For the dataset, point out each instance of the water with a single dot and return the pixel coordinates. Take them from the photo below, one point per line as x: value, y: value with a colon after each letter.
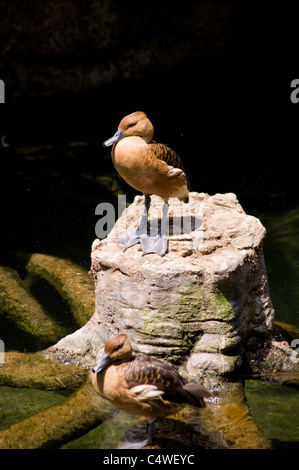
x: 17, y: 404
x: 105, y: 436
x: 282, y: 260
x: 275, y: 410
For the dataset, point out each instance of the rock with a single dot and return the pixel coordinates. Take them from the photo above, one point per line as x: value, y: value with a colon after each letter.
x: 69, y: 279
x: 18, y: 307
x: 33, y: 370
x: 201, y: 306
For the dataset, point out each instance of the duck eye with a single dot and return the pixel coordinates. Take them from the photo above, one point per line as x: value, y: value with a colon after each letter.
x: 132, y: 124
x: 117, y: 348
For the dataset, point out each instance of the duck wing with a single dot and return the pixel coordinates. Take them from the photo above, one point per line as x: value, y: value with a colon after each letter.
x: 149, y: 377
x: 169, y: 156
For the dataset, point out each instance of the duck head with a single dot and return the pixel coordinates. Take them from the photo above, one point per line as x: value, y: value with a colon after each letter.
x: 135, y: 124
x: 118, y: 349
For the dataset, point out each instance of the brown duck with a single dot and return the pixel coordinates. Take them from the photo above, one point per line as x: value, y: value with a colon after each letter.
x: 142, y: 385
x: 151, y: 168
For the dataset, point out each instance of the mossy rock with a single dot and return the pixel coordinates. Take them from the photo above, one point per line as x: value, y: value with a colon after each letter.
x: 18, y: 307
x: 33, y: 370
x: 70, y: 280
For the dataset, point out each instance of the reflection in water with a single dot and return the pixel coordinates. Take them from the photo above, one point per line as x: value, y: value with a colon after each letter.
x: 17, y: 404
x: 282, y: 259
x: 105, y: 436
x: 279, y: 420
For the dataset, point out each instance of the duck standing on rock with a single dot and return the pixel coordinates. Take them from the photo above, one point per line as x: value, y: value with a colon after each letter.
x: 142, y: 385
x: 151, y: 168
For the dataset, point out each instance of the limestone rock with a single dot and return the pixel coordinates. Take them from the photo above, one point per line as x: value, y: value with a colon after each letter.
x: 200, y: 306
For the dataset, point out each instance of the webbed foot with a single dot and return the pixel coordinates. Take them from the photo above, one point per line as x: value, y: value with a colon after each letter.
x: 130, y: 239
x: 157, y: 244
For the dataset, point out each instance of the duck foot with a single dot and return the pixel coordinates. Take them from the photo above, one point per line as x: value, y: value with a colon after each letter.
x: 130, y: 239
x: 140, y: 444
x: 157, y: 244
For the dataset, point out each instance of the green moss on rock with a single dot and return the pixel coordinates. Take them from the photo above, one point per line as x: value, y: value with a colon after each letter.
x: 70, y: 280
x: 197, y: 304
x: 20, y: 308
x: 59, y: 424
x: 33, y: 370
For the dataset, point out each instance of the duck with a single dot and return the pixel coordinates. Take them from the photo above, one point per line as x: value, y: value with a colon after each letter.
x: 142, y: 385
x: 151, y: 168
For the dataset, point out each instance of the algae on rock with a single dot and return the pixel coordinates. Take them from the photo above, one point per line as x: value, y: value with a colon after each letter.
x: 51, y: 428
x: 34, y: 370
x: 21, y: 309
x: 70, y: 280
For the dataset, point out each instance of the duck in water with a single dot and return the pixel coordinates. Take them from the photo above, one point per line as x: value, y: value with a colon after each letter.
x: 142, y: 385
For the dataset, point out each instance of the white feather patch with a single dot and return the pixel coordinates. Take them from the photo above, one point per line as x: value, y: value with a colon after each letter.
x: 145, y: 392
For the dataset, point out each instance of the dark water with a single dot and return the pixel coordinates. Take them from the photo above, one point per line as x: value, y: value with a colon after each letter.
x: 282, y: 260
x: 274, y: 408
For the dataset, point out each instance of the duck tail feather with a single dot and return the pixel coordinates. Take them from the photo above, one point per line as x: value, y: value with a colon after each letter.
x: 197, y: 390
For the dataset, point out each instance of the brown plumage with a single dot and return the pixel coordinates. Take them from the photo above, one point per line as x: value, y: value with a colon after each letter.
x: 169, y: 156
x: 142, y: 385
x: 149, y: 167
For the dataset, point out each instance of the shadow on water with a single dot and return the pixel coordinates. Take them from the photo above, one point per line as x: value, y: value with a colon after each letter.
x: 278, y: 421
x: 282, y: 259
x: 17, y: 404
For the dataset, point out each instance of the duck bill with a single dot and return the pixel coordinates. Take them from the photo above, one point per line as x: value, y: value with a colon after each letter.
x: 104, y: 362
x: 117, y: 136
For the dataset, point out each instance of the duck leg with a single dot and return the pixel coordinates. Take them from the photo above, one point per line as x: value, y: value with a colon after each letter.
x: 145, y: 442
x: 157, y: 243
x: 134, y: 237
